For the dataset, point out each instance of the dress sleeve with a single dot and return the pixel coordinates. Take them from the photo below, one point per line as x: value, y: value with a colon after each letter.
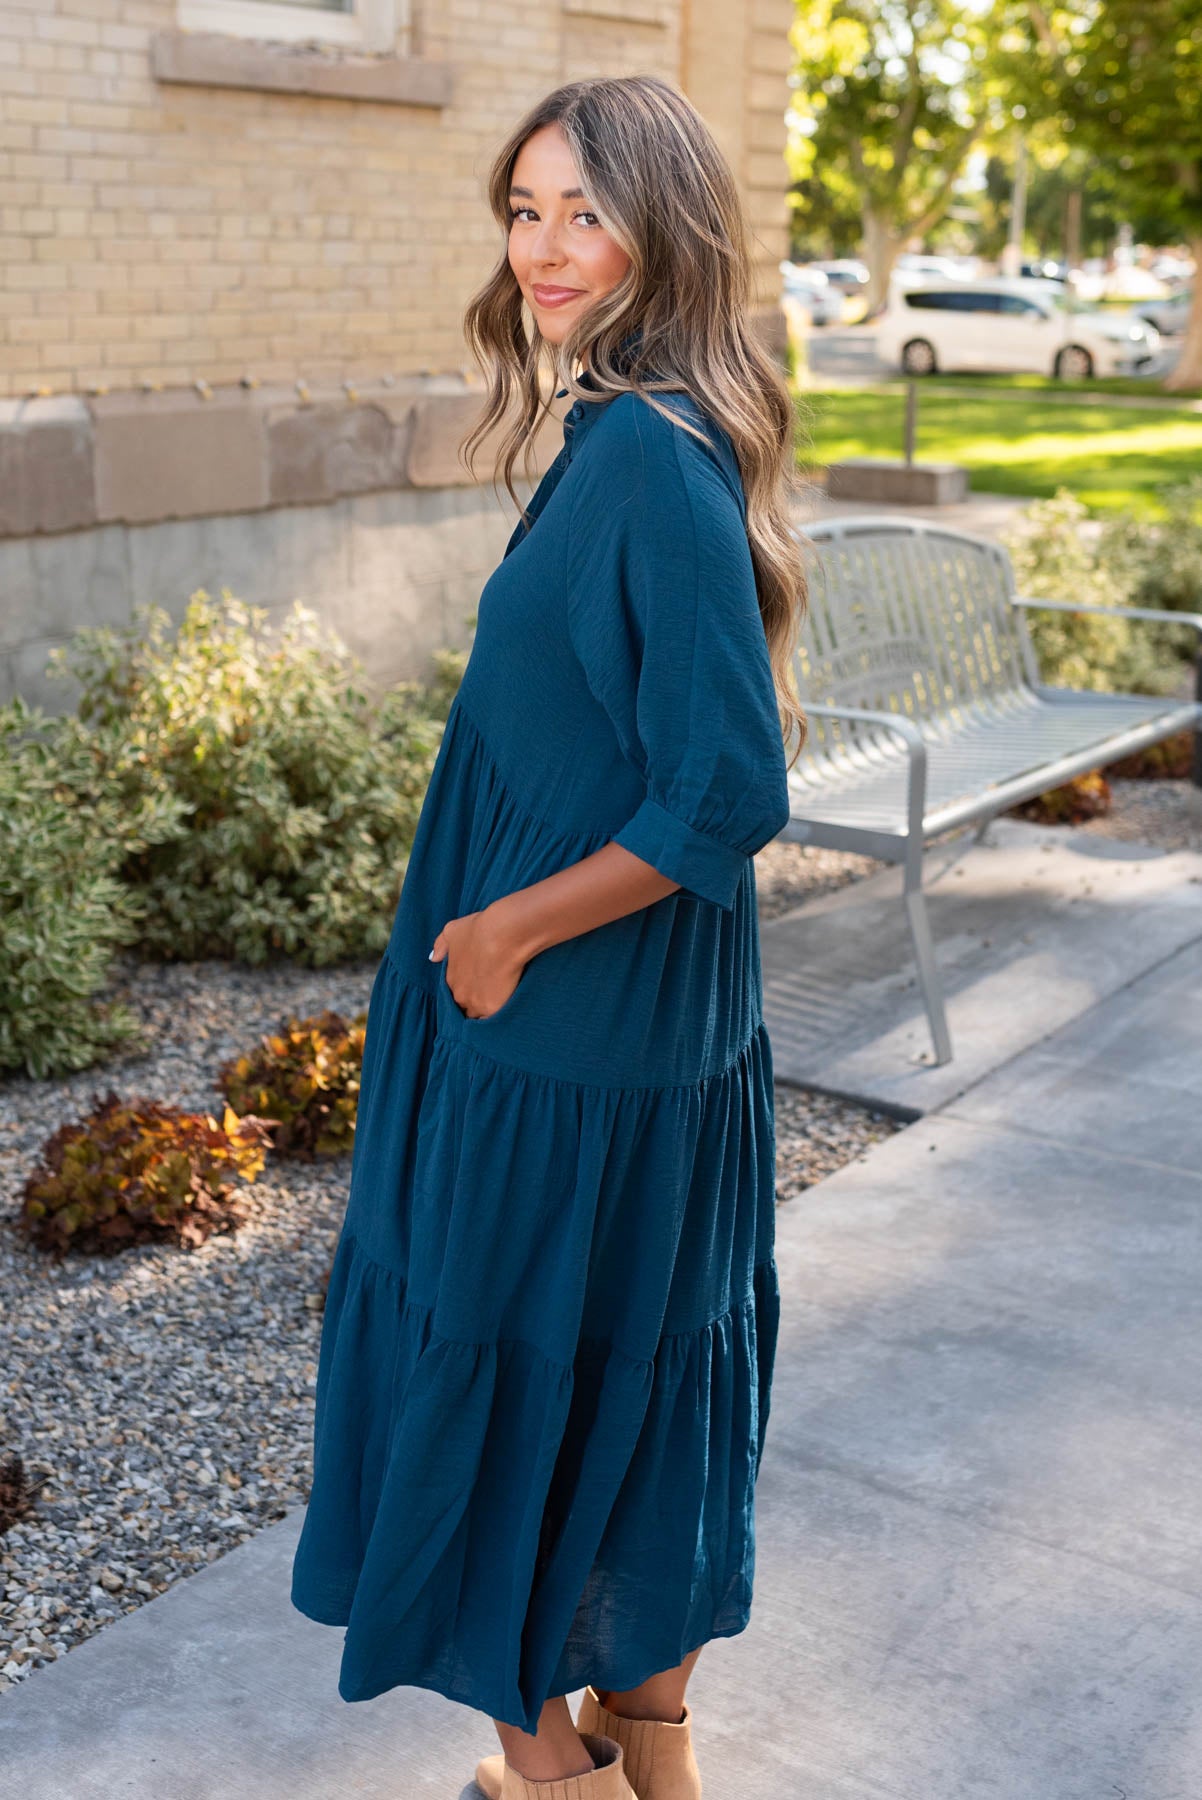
x: 664, y: 617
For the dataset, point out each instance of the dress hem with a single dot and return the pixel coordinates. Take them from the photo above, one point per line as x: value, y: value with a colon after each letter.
x: 603, y: 1678
x: 333, y: 1580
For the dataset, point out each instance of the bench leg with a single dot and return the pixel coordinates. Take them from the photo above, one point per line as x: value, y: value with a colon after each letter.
x: 924, y: 956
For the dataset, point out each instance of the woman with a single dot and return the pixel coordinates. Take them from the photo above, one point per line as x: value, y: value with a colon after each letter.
x: 551, y: 1322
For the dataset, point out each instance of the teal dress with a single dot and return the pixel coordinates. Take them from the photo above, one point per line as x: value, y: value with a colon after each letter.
x: 549, y: 1334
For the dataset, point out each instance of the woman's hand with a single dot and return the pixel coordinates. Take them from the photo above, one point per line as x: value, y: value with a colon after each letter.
x: 488, y: 950
x: 484, y: 964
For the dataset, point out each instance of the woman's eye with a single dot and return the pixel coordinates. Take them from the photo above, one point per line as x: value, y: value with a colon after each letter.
x: 515, y: 213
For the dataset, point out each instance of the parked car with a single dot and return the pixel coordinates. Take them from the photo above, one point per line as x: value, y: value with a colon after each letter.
x: 1173, y: 269
x: 1134, y: 285
x: 917, y: 266
x: 846, y: 273
x: 813, y: 289
x: 1168, y: 316
x: 1015, y: 325
x: 1045, y: 268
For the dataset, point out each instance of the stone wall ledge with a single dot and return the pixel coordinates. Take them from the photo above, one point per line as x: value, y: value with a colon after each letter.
x: 628, y: 12
x: 217, y: 59
x: 69, y: 462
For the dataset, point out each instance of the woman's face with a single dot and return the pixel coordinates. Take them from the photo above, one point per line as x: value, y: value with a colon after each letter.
x: 561, y: 255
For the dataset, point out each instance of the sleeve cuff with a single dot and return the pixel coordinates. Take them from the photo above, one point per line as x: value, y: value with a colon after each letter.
x: 702, y: 865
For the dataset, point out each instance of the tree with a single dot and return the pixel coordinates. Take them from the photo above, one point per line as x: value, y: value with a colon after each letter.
x: 1059, y: 177
x: 1122, y: 78
x: 825, y: 216
x: 894, y: 94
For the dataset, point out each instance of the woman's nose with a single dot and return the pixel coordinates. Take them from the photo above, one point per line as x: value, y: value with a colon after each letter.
x: 546, y: 246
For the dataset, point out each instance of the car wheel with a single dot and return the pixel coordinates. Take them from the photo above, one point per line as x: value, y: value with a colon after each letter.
x: 918, y: 357
x: 1073, y: 364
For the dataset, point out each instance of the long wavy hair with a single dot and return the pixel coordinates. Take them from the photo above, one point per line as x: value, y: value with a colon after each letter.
x: 678, y: 319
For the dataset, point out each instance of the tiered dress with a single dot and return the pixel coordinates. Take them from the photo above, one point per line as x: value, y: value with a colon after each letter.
x: 549, y: 1334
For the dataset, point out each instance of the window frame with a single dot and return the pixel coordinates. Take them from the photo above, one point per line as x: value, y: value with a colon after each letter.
x: 373, y: 25
x: 927, y: 299
x: 965, y: 302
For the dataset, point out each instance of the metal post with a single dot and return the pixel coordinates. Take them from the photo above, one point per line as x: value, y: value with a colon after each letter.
x: 1012, y: 251
x: 1197, y: 773
x: 911, y: 419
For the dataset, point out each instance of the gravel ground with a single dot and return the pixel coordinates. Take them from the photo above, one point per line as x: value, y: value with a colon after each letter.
x: 787, y: 874
x: 1167, y: 814
x: 816, y: 1135
x: 167, y: 1395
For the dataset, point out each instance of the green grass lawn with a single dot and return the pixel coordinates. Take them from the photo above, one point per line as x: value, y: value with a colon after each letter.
x: 1016, y: 439
x: 1142, y: 386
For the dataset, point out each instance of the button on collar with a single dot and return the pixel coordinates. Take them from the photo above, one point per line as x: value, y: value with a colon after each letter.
x: 580, y: 417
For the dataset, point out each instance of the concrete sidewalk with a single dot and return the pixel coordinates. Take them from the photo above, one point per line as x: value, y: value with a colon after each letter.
x: 982, y: 1503
x: 979, y: 1566
x: 1032, y: 927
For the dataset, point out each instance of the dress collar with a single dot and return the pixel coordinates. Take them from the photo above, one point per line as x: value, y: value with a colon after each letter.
x: 581, y: 414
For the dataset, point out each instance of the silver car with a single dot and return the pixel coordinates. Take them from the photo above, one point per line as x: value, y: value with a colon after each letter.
x: 811, y: 288
x: 1169, y: 316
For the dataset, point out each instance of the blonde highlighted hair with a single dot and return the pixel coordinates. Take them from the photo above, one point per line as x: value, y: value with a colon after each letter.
x: 664, y: 191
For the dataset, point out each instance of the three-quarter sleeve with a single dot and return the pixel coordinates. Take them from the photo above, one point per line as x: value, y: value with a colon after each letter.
x: 664, y: 617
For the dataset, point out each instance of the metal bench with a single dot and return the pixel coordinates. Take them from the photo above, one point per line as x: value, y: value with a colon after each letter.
x: 926, y: 710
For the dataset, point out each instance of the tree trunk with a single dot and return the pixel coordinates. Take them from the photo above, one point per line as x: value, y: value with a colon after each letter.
x: 1188, y: 372
x: 1072, y: 229
x: 882, y: 247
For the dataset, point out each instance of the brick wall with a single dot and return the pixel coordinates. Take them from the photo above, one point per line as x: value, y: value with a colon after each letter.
x: 177, y: 210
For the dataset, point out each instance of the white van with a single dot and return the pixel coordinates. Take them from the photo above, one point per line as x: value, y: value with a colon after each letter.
x: 1008, y: 325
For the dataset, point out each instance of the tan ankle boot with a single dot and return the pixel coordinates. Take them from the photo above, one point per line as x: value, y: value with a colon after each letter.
x: 659, y: 1759
x: 605, y: 1781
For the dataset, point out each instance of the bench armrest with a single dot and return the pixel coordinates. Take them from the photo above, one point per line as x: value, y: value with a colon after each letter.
x: 1160, y: 615
x: 915, y: 747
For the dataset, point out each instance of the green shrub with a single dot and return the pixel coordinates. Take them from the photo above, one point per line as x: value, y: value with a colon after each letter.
x: 288, y: 798
x: 304, y: 1078
x: 139, y: 1171
x: 64, y: 836
x: 1159, y: 562
x: 1057, y: 560
x: 215, y: 794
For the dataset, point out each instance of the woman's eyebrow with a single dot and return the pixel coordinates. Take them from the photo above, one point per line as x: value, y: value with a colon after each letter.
x: 565, y: 194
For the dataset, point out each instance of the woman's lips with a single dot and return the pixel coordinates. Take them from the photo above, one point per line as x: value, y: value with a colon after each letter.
x: 554, y: 296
